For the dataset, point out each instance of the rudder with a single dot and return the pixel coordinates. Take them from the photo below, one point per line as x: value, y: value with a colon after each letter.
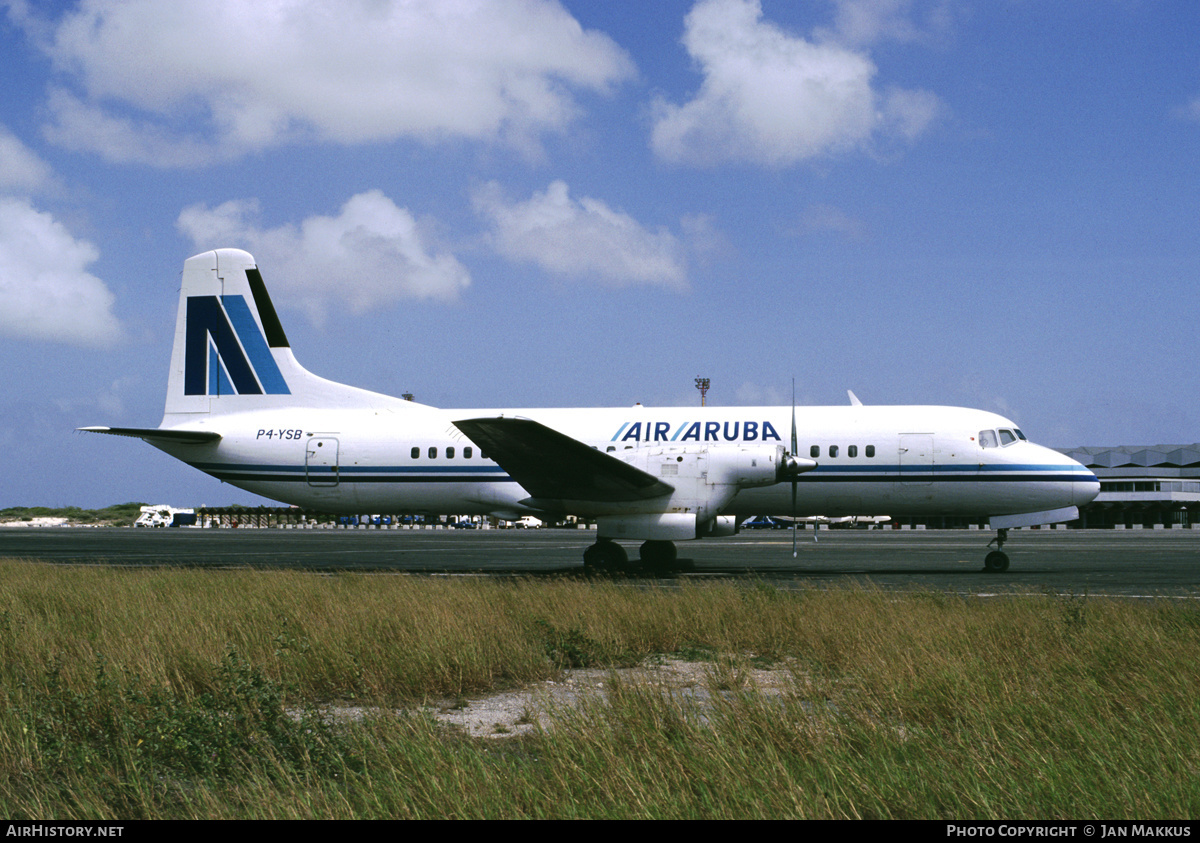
x: 231, y: 352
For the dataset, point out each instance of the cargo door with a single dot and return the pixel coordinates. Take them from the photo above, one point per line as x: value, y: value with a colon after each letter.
x: 916, y: 459
x: 321, y: 461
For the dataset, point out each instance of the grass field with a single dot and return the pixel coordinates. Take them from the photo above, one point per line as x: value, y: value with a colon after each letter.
x: 198, y: 693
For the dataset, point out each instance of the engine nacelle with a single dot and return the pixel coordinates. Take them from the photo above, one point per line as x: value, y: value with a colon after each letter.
x: 705, y: 478
x: 722, y: 525
x: 745, y: 467
x: 741, y: 466
x: 650, y: 526
x: 665, y: 526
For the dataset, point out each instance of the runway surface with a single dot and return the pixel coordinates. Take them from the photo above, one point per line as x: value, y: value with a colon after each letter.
x: 1136, y: 562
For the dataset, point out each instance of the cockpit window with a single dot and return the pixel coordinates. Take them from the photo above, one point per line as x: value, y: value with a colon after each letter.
x: 1007, y: 437
x: 987, y: 439
x: 1021, y: 435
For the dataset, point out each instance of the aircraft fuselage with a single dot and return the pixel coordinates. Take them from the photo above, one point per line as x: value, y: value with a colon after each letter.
x: 903, y: 460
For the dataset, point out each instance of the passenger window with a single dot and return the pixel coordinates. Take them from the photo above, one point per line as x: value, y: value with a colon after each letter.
x: 814, y: 451
x: 416, y: 453
x: 450, y: 453
x: 433, y: 453
x: 852, y: 451
x: 1007, y: 438
x: 987, y: 439
x: 833, y: 450
x: 870, y: 451
x: 467, y: 452
x: 610, y: 449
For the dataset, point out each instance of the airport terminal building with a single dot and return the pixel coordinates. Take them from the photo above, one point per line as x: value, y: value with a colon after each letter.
x: 1148, y: 487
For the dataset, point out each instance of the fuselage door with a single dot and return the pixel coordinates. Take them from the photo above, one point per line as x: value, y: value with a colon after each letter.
x: 321, y: 461
x: 916, y: 459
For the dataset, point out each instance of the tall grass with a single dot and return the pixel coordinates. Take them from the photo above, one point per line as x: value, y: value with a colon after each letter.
x: 200, y: 693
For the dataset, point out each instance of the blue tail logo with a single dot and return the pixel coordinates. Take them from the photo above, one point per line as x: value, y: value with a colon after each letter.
x: 226, y: 352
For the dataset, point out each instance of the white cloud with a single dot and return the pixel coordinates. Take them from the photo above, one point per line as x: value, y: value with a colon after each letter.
x: 192, y: 81
x: 45, y: 291
x: 772, y: 98
x: 368, y: 256
x: 1190, y: 112
x: 906, y: 114
x: 21, y: 170
x: 581, y: 238
x: 866, y: 22
x: 824, y: 219
x: 85, y: 127
x: 705, y: 242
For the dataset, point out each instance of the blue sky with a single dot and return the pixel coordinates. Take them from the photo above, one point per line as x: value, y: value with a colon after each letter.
x: 992, y: 204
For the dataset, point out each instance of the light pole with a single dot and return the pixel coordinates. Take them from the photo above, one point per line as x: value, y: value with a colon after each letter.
x: 702, y: 385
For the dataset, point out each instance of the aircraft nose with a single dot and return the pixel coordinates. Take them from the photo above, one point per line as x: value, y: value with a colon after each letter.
x: 1076, y: 481
x: 1084, y: 484
x: 1085, y: 489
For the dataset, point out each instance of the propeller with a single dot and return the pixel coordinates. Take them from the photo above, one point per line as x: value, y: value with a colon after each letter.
x: 795, y: 447
x: 791, y: 465
x: 794, y: 465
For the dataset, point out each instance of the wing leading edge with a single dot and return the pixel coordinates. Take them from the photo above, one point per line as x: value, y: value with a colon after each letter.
x: 554, y: 467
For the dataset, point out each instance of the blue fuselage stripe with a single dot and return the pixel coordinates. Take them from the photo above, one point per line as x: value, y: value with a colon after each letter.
x: 493, y: 474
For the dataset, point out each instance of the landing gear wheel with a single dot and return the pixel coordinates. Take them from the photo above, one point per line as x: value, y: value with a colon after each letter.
x: 996, y: 562
x: 658, y: 556
x: 605, y: 555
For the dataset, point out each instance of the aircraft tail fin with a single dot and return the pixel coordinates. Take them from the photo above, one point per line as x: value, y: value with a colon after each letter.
x: 231, y: 353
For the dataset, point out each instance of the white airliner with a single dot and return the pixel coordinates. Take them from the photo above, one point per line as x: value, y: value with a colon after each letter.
x: 240, y: 408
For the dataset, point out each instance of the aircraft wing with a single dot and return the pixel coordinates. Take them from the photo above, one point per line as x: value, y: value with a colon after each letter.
x: 554, y: 467
x: 183, y: 437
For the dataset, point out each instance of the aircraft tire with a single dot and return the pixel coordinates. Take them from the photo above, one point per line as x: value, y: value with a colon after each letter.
x: 605, y: 555
x: 996, y: 562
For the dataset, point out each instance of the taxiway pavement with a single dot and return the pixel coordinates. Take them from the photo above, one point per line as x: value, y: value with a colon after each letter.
x: 1133, y: 562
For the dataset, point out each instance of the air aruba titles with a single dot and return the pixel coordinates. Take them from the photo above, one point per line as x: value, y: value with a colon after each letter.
x: 713, y: 431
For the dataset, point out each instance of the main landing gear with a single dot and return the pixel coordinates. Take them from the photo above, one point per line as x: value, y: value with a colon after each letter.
x: 655, y: 557
x: 996, y: 562
x: 605, y: 555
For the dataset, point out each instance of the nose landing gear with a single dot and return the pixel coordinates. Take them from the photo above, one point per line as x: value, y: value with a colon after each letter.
x: 996, y: 562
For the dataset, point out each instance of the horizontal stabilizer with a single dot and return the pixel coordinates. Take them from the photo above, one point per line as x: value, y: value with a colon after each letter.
x: 554, y: 467
x: 183, y: 437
